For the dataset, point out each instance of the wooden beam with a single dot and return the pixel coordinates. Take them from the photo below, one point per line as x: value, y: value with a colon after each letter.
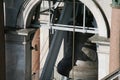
x: 2, y: 43
x: 36, y: 55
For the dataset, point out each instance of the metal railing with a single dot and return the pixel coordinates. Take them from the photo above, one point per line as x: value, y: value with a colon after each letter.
x: 69, y: 28
x: 48, y: 23
x: 113, y: 76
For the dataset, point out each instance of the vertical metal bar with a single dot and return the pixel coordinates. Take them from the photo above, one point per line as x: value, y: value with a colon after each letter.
x: 84, y: 15
x: 4, y: 8
x: 73, y: 37
x: 2, y: 43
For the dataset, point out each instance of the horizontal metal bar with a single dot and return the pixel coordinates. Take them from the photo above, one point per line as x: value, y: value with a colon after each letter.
x: 71, y: 26
x: 76, y: 30
x: 68, y: 28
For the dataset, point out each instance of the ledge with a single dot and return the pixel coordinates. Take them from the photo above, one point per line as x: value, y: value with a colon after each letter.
x: 100, y: 40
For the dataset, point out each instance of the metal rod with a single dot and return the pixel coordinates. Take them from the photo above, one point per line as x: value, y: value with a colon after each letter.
x: 84, y: 16
x: 112, y: 75
x: 44, y: 25
x: 2, y: 43
x: 73, y: 40
x: 62, y: 25
x: 76, y: 30
x: 69, y: 28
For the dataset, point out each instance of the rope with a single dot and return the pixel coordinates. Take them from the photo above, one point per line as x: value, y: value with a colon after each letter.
x: 73, y: 53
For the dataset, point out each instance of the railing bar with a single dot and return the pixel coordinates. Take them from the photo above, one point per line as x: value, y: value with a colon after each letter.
x: 117, y: 75
x: 76, y: 30
x: 112, y: 75
x: 84, y: 16
x: 63, y: 26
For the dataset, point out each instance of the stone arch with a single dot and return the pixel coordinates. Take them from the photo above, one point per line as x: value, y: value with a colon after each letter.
x: 28, y: 7
x: 103, y: 27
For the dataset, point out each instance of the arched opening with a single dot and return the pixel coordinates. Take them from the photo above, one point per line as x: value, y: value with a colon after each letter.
x: 82, y: 25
